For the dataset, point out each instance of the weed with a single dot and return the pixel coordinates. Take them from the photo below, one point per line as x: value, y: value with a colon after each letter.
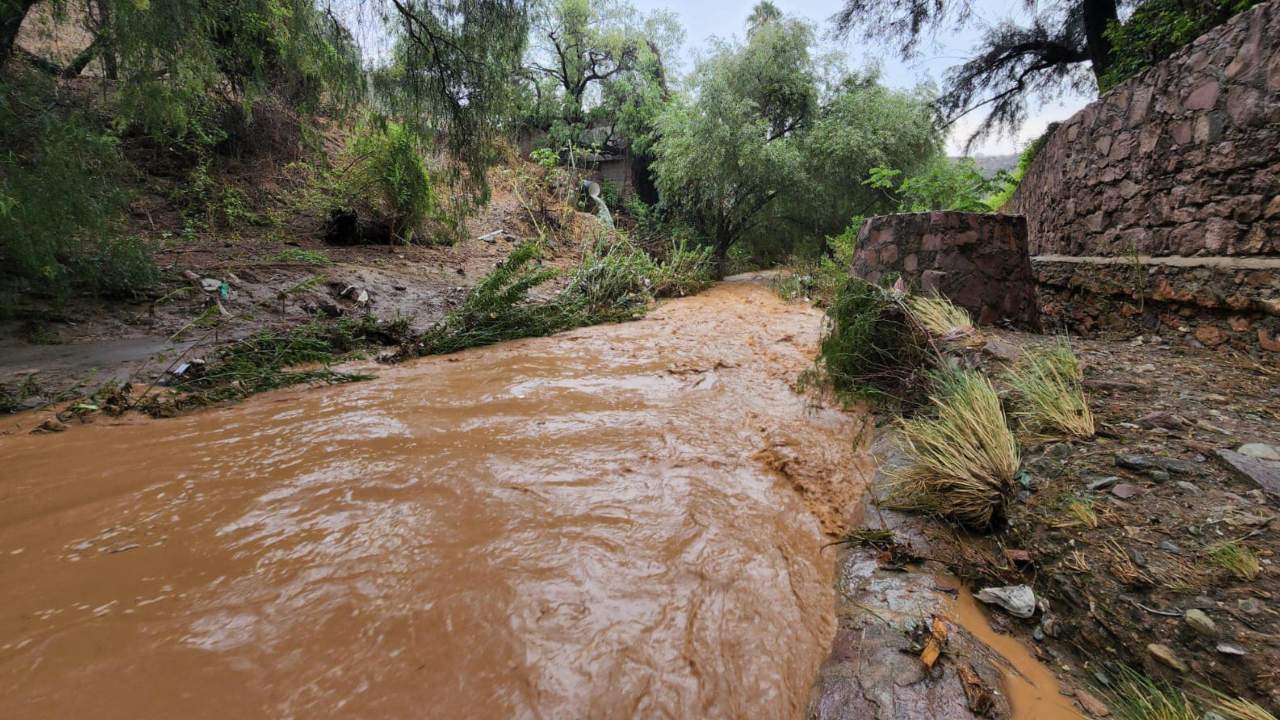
x: 1078, y: 513
x: 1049, y: 392
x: 961, y: 462
x: 496, y: 309
x: 614, y: 282
x: 686, y: 270
x: 269, y: 359
x: 939, y: 316
x: 872, y: 350
x: 1240, y: 709
x: 21, y: 396
x: 302, y: 256
x: 1134, y: 696
x: 1234, y: 557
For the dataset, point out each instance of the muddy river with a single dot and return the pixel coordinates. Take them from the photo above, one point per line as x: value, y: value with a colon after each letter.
x: 618, y: 521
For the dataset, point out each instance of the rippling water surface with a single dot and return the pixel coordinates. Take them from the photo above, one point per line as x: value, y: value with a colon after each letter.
x: 618, y: 521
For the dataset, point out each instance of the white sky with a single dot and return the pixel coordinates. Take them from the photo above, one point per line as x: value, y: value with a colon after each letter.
x: 703, y: 20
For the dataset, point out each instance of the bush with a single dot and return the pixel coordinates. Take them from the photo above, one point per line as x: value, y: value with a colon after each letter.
x: 1158, y: 28
x: 873, y: 349
x: 686, y: 270
x: 959, y: 463
x: 60, y: 195
x: 614, y: 282
x: 388, y: 179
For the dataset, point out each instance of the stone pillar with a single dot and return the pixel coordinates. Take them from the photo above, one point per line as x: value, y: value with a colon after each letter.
x: 977, y: 261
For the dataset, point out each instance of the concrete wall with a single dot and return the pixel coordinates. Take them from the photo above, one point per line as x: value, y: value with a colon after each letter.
x: 1180, y: 162
x: 977, y: 261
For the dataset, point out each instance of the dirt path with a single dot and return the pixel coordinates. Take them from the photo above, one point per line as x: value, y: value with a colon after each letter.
x: 599, y: 524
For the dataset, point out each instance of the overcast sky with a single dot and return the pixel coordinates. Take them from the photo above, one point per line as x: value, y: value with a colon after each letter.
x: 703, y: 20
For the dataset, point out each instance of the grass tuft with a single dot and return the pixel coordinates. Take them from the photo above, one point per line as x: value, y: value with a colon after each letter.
x: 1049, y: 393
x: 1236, y: 558
x: 1134, y: 696
x: 939, y: 316
x: 688, y: 269
x: 872, y: 350
x: 961, y: 462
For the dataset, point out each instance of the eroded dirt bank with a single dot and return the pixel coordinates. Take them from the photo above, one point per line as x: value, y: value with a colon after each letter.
x: 589, y: 525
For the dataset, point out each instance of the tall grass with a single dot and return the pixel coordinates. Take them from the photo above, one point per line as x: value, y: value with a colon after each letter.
x: 939, y: 316
x: 1049, y: 394
x: 686, y: 270
x: 1235, y: 558
x: 961, y: 461
x: 1134, y: 696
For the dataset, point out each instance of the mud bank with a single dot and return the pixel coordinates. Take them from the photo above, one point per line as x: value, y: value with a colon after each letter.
x: 610, y: 522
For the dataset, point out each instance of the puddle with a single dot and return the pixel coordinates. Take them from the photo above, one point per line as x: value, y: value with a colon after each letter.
x: 1032, y: 688
x: 600, y: 524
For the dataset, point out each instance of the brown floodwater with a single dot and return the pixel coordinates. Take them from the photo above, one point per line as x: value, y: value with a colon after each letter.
x: 618, y: 521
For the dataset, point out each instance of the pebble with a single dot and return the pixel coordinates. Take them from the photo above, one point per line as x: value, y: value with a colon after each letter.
x: 1165, y: 655
x: 1147, y: 463
x: 1231, y: 649
x: 1185, y: 486
x: 1103, y: 483
x: 1124, y: 491
x: 1200, y: 622
x: 1170, y: 547
x: 1091, y: 704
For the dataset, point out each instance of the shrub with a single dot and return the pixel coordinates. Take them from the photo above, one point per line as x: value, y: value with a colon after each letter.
x: 686, y: 270
x: 614, y: 282
x: 496, y: 309
x: 60, y: 195
x: 546, y: 157
x: 1048, y: 392
x: 960, y: 462
x: 389, y: 177
x: 872, y: 349
x: 1158, y: 28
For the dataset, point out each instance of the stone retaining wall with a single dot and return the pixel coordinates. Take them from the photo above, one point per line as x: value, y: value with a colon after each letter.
x: 977, y: 261
x: 1180, y: 162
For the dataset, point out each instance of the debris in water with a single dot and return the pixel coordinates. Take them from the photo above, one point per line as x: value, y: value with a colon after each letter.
x: 1018, y: 600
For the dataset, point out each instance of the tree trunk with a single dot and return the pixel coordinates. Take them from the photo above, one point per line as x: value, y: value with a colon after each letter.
x: 721, y: 256
x: 12, y: 13
x: 1097, y: 13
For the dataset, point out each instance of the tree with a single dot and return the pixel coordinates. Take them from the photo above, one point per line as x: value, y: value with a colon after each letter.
x: 598, y: 61
x: 765, y: 153
x: 1068, y: 45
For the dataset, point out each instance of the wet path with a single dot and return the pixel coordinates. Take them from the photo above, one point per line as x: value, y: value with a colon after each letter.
x: 600, y: 524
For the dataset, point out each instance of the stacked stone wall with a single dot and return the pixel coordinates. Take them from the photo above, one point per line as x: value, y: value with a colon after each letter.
x: 1182, y: 161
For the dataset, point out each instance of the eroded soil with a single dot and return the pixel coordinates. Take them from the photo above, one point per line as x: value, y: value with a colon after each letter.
x: 596, y: 524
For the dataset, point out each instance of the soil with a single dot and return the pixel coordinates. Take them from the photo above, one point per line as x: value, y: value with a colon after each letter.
x: 60, y: 350
x: 1162, y: 497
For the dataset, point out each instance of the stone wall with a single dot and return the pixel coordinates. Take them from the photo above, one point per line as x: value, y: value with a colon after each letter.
x: 1182, y: 161
x: 977, y: 261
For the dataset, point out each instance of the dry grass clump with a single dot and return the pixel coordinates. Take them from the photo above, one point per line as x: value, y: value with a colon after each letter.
x: 1134, y: 696
x: 961, y: 462
x: 1236, y: 558
x: 940, y: 316
x: 1078, y: 513
x: 1049, y: 392
x: 1239, y: 709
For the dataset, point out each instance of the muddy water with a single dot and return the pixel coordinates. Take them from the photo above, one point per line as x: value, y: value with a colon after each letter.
x: 618, y: 521
x: 1032, y: 688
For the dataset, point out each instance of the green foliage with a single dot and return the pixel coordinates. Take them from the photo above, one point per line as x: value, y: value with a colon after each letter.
x: 497, y: 308
x: 687, y: 269
x: 942, y: 184
x: 873, y: 350
x: 546, y: 157
x: 1134, y: 696
x: 390, y: 173
x: 61, y: 197
x: 1008, y: 182
x: 770, y: 155
x: 614, y: 282
x: 1157, y: 29
x: 269, y: 359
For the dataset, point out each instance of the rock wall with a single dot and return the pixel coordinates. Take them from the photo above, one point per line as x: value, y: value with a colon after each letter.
x: 977, y: 261
x: 1182, y: 161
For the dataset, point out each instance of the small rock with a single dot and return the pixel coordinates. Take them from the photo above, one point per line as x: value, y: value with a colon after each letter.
x: 1170, y: 547
x: 1158, y: 475
x: 1260, y: 452
x: 1001, y: 350
x: 1231, y: 649
x: 1166, y: 656
x: 1187, y: 487
x: 1019, y: 600
x: 1037, y: 634
x: 1091, y: 704
x: 210, y: 284
x: 1103, y: 483
x: 1124, y: 491
x: 1249, y: 606
x: 1200, y: 622
x: 1146, y: 463
x: 1137, y: 557
x: 51, y: 425
x: 1049, y: 623
x: 1262, y: 473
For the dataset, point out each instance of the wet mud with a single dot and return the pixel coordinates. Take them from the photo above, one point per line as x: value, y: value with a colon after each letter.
x: 620, y: 521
